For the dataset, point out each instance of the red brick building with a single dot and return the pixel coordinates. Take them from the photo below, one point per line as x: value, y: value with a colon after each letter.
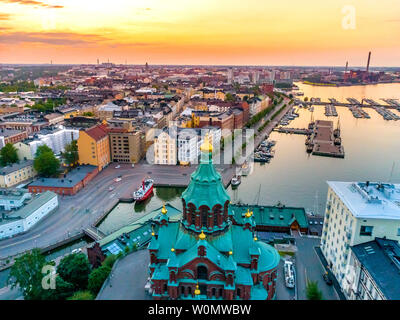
x: 69, y: 184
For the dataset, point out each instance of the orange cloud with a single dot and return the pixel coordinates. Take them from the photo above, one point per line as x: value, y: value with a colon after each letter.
x: 33, y: 3
x: 51, y: 38
x: 4, y: 16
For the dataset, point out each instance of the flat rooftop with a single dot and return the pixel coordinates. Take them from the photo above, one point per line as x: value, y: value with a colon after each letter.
x: 15, y: 167
x: 69, y: 181
x: 372, y: 200
x: 381, y: 259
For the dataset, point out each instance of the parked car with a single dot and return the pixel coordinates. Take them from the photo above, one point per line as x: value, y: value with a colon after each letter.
x: 327, y: 279
x: 117, y: 167
x: 288, y: 268
x: 133, y: 165
x: 117, y: 179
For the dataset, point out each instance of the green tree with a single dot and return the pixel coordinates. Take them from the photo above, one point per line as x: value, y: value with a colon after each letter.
x: 42, y: 149
x: 312, y: 291
x: 82, y: 295
x: 109, y: 261
x: 8, y: 155
x: 229, y: 97
x: 75, y: 268
x: 45, y: 162
x: 97, y: 278
x: 62, y: 291
x: 88, y: 114
x: 26, y: 273
x: 70, y: 155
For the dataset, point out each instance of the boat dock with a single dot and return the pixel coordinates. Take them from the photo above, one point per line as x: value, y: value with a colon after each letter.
x: 293, y: 130
x: 324, y: 140
x: 390, y: 103
x: 330, y: 110
x: 356, y: 107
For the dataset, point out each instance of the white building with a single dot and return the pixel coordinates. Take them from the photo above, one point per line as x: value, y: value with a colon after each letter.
x: 169, y: 148
x: 165, y: 151
x: 188, y: 146
x: 11, y: 199
x: 357, y: 213
x: 28, y: 215
x: 55, y: 140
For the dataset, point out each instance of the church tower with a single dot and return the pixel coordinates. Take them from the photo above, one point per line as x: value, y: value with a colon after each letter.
x: 205, y: 202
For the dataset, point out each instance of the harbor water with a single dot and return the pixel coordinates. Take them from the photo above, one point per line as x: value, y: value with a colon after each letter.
x: 295, y: 178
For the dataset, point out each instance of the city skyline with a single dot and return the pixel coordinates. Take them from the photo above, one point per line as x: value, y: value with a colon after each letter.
x: 206, y: 33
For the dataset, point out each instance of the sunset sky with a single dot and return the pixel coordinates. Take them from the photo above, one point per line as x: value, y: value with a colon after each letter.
x: 251, y: 32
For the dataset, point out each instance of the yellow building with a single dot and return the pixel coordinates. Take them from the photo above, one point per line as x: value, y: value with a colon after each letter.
x: 16, y: 173
x: 94, y: 147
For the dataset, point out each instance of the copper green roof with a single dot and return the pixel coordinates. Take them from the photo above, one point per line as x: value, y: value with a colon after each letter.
x: 205, y: 187
x: 270, y: 216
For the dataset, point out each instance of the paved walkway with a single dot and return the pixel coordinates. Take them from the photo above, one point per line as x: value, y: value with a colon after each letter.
x: 128, y: 278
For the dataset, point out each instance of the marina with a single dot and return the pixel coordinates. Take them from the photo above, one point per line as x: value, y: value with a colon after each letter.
x: 264, y: 151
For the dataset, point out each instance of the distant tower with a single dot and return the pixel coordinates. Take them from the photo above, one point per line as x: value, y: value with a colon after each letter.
x: 347, y: 65
x: 369, y: 59
x: 147, y: 66
x: 230, y: 75
x: 98, y: 62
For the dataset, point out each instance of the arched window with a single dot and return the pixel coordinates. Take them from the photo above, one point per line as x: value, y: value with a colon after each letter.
x: 190, y: 290
x: 216, y: 212
x: 204, y: 216
x: 165, y: 287
x: 213, y: 292
x: 221, y: 292
x: 182, y: 290
x: 192, y: 210
x: 202, y: 272
x: 238, y: 292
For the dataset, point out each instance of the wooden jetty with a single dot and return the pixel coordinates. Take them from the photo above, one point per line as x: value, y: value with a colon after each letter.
x: 324, y: 140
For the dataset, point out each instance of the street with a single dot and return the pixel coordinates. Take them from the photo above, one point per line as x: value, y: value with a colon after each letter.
x: 309, y: 267
x: 128, y: 278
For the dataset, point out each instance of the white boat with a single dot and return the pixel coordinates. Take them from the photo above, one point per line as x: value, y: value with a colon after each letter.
x: 236, y: 180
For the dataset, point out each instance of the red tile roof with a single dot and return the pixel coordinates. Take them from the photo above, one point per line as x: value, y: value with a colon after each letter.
x: 97, y: 132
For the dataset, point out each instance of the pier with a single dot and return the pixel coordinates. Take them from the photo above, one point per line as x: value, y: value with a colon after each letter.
x: 356, y: 107
x: 293, y: 130
x: 352, y: 102
x: 324, y: 140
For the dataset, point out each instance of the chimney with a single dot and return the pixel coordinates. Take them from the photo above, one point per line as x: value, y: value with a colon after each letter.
x: 369, y: 59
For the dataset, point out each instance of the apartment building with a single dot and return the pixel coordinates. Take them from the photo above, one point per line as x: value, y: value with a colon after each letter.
x: 357, y: 213
x: 165, y: 149
x: 374, y: 271
x: 16, y: 173
x: 94, y: 147
x: 56, y: 139
x: 127, y: 147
